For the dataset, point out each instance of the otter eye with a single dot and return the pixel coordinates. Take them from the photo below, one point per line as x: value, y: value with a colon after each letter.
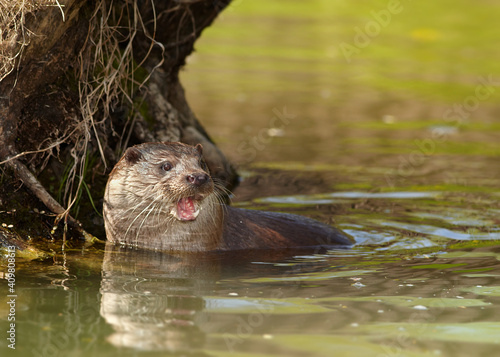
x: 166, y: 166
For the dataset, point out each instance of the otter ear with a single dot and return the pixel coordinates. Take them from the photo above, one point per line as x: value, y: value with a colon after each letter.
x: 132, y: 155
x: 199, y: 148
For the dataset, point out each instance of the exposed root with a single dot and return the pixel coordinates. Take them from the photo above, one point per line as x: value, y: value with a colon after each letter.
x: 36, y: 187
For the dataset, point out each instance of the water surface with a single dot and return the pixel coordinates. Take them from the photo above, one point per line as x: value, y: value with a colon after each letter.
x: 397, y: 145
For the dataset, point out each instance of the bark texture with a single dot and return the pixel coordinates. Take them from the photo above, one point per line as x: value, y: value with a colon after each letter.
x: 79, y: 82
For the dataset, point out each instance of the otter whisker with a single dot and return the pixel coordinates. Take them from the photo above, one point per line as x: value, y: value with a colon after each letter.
x: 137, y: 217
x: 220, y: 185
x: 154, y: 209
x: 141, y: 203
x: 219, y: 201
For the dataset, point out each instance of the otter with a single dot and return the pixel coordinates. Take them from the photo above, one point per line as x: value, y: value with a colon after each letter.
x: 161, y: 196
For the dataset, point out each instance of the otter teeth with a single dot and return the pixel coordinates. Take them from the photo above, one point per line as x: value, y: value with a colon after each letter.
x: 186, y: 209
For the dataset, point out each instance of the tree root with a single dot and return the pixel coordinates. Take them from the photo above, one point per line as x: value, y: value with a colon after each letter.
x: 25, y: 175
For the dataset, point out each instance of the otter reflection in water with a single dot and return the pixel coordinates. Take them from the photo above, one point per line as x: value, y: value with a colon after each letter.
x: 161, y: 196
x: 151, y: 299
x: 155, y: 301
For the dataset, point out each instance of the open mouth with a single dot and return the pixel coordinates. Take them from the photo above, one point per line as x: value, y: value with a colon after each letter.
x: 186, y: 209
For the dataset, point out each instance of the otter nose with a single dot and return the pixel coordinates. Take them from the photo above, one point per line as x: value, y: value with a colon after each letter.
x: 197, y: 179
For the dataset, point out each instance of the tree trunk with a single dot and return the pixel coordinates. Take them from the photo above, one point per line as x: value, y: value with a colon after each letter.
x: 79, y: 82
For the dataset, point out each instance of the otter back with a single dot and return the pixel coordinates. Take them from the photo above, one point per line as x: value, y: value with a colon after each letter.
x: 251, y: 229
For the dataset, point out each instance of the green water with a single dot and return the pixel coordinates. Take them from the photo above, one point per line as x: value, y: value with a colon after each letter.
x: 396, y: 144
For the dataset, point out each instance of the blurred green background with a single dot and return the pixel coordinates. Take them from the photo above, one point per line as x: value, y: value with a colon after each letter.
x: 412, y: 64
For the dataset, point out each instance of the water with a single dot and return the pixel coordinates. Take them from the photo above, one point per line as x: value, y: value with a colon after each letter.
x: 364, y: 143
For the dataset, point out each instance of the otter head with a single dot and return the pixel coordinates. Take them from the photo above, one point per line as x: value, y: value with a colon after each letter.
x: 161, y: 196
x: 176, y: 174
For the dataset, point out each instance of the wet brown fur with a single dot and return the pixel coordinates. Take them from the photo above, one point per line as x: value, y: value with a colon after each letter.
x: 139, y: 197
